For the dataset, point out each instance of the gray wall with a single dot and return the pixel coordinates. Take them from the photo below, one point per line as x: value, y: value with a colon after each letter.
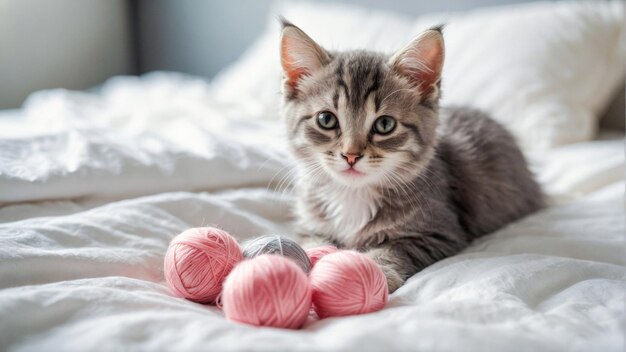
x: 196, y: 36
x: 60, y: 43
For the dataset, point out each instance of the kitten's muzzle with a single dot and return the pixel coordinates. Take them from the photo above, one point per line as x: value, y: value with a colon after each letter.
x: 351, y: 158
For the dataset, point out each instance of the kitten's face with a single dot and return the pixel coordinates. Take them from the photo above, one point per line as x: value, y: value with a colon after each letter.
x: 357, y: 117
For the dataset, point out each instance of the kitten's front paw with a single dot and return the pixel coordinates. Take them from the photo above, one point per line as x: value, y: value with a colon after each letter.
x: 385, y: 261
x: 394, y: 280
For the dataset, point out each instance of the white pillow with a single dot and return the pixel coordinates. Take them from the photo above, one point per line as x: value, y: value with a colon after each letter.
x: 545, y: 70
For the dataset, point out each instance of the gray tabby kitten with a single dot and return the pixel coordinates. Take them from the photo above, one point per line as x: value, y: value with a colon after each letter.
x: 383, y: 169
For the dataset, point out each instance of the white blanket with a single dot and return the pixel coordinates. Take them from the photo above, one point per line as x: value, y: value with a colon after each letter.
x: 95, y: 186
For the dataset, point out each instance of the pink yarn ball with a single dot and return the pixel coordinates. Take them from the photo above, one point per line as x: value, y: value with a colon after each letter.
x: 346, y: 283
x: 198, y: 260
x: 316, y: 253
x: 268, y: 290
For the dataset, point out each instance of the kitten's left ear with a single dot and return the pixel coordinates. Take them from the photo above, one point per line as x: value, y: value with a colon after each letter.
x: 300, y: 56
x: 421, y: 61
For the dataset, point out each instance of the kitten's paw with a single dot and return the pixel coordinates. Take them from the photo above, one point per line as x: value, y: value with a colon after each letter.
x: 385, y: 262
x: 394, y: 280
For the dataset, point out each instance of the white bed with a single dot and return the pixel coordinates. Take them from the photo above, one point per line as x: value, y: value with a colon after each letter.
x: 94, y: 186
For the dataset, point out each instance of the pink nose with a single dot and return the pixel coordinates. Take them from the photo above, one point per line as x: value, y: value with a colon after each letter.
x: 351, y: 158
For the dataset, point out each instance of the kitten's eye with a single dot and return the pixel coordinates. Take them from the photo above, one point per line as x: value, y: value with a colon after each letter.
x: 384, y: 125
x: 327, y: 120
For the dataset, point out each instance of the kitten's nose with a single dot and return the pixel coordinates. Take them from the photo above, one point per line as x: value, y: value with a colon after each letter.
x: 351, y: 158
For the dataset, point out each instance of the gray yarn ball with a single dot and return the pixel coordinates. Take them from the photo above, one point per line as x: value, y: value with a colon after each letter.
x: 275, y: 244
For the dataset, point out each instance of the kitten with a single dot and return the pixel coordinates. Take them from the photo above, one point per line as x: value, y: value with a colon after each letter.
x: 383, y: 169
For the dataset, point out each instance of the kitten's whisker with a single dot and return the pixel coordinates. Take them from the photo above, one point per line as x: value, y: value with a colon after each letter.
x: 287, y: 180
x: 396, y: 191
x: 269, y: 183
x: 308, y: 169
x: 409, y: 196
x: 419, y: 198
x: 428, y: 184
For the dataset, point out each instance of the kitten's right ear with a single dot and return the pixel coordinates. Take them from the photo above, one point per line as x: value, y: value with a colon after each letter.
x: 299, y: 55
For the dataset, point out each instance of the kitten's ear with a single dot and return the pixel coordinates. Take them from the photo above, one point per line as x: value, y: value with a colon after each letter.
x: 421, y: 60
x: 299, y: 55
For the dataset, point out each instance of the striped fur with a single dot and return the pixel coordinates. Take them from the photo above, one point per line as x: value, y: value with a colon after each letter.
x: 421, y: 193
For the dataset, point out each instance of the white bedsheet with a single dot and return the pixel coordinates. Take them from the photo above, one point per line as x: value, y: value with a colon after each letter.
x: 95, y: 186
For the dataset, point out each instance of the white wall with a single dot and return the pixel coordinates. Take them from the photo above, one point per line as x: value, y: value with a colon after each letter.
x: 60, y: 43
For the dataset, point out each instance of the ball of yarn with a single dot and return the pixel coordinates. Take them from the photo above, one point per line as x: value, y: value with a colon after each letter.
x: 268, y: 290
x: 198, y: 260
x: 347, y: 283
x: 316, y: 253
x: 275, y: 244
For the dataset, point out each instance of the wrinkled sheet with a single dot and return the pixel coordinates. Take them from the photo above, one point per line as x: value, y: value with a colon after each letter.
x: 94, y: 186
